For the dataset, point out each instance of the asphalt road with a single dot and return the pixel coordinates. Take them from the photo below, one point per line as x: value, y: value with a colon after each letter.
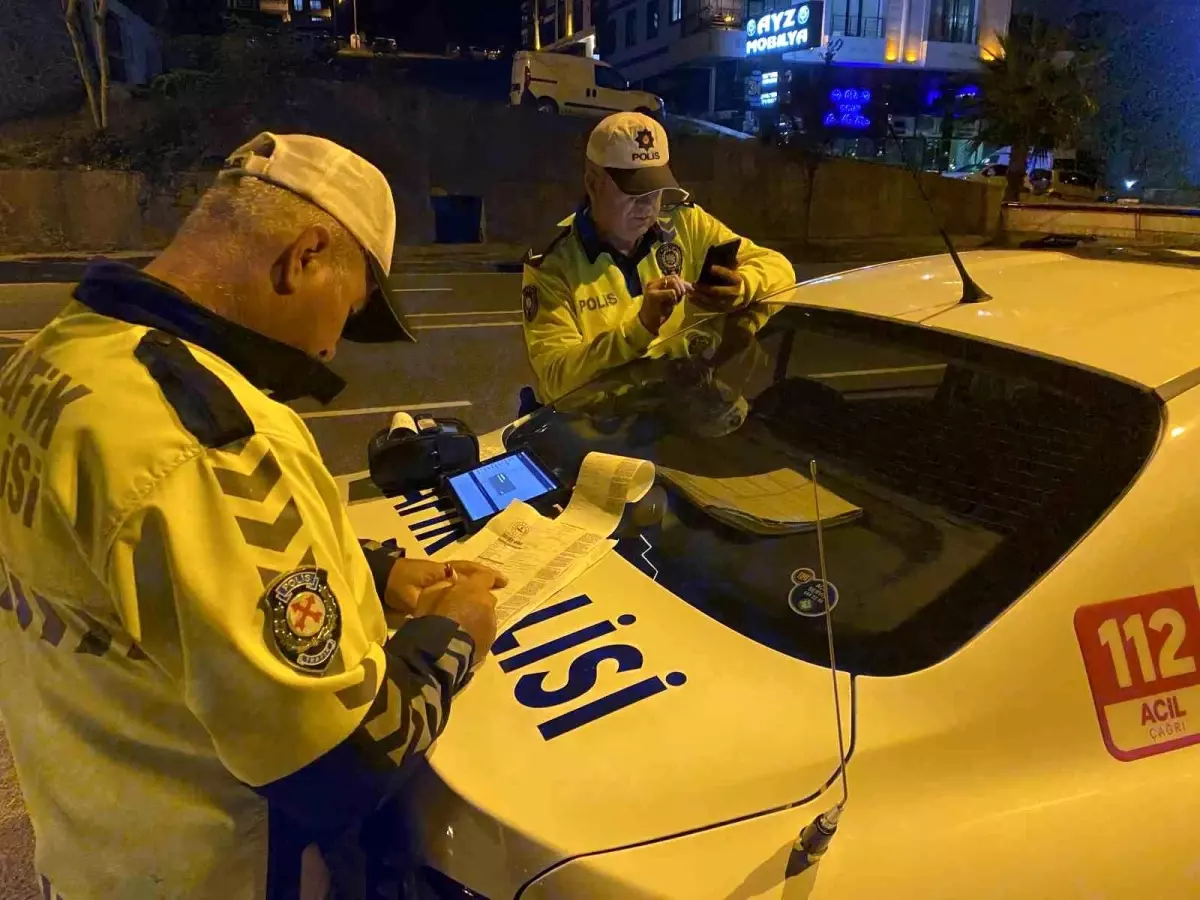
x: 469, y: 361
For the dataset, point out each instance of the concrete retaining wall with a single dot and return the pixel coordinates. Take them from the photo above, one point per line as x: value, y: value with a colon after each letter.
x: 1176, y: 226
x: 527, y: 168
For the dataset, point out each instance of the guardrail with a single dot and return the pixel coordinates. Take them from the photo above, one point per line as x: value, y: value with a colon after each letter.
x: 1161, y: 225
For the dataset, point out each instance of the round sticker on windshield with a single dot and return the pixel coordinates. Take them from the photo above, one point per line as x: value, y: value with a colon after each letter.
x: 807, y: 596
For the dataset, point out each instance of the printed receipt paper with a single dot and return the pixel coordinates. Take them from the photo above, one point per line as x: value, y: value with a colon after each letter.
x: 541, y: 556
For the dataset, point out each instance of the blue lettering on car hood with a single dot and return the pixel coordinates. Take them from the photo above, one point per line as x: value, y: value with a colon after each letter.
x: 531, y: 690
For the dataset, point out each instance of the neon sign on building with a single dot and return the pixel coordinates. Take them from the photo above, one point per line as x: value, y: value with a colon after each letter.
x: 849, y: 105
x: 795, y: 28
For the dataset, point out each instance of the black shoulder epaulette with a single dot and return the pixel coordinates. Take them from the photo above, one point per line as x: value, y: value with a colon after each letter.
x: 204, y: 403
x: 536, y: 259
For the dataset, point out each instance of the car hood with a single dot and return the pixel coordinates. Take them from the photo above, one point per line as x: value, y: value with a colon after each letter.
x: 666, y: 722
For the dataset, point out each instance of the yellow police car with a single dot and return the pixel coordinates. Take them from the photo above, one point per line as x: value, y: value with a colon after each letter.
x: 1009, y: 566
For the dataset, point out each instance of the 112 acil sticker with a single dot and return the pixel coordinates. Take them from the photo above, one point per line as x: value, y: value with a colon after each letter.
x: 1141, y: 656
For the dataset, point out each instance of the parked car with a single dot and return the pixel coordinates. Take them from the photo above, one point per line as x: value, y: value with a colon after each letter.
x: 987, y: 173
x: 383, y: 45
x: 579, y: 85
x: 1065, y: 184
x: 1014, y: 608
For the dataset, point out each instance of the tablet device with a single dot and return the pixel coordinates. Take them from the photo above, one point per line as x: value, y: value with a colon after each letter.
x: 487, y: 489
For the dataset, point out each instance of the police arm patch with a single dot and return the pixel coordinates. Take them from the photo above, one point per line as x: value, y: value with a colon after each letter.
x: 305, y: 620
x: 529, y: 302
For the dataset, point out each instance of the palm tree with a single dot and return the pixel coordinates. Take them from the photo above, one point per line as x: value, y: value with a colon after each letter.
x: 1035, y: 94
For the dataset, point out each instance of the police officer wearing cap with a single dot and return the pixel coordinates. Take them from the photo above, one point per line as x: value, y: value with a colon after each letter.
x: 625, y: 270
x: 198, y: 682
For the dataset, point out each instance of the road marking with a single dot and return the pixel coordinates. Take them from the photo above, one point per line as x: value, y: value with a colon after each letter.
x: 374, y: 410
x: 503, y: 312
x: 469, y: 325
x: 455, y: 274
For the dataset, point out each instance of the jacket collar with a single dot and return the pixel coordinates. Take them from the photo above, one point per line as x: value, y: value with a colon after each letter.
x: 122, y: 292
x: 593, y: 245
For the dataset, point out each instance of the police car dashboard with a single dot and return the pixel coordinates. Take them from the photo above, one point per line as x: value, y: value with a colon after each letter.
x: 950, y: 474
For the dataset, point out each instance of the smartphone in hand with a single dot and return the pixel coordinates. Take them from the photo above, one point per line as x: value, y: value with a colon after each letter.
x: 724, y: 255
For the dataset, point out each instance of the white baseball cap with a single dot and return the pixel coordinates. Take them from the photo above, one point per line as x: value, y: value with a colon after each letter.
x: 356, y: 194
x: 632, y: 148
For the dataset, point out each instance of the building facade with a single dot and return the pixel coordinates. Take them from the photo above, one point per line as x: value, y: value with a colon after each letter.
x: 317, y: 15
x: 565, y: 26
x: 756, y: 64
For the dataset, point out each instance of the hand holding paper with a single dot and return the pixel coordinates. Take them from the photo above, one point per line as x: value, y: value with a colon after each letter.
x: 541, y: 556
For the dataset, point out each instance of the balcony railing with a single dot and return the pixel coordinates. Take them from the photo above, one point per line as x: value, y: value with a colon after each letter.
x: 854, y: 25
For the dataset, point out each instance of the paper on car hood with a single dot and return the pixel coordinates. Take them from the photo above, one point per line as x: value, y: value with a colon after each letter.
x: 614, y: 714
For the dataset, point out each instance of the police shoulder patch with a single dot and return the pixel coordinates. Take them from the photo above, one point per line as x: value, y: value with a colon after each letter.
x: 529, y: 302
x: 305, y: 620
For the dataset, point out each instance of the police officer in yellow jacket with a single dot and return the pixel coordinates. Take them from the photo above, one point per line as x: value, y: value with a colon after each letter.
x: 196, y: 676
x: 624, y: 272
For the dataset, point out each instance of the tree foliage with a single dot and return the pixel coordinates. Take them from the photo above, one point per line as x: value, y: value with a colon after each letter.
x: 1035, y: 94
x: 37, y: 70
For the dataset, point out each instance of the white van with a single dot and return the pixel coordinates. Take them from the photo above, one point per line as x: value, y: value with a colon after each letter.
x: 561, y: 83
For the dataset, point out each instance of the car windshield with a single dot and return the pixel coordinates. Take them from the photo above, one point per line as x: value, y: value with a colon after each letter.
x: 952, y: 475
x: 608, y: 77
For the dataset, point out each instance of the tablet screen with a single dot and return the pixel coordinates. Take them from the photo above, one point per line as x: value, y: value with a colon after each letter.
x: 490, y: 488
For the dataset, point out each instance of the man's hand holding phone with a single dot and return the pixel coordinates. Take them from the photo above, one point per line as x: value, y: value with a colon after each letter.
x: 659, y: 300
x: 721, y: 288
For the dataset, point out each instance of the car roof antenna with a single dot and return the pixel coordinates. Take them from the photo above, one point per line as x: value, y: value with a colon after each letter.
x: 812, y: 842
x: 972, y: 293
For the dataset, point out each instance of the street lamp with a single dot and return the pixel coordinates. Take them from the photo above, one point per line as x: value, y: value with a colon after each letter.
x: 354, y: 36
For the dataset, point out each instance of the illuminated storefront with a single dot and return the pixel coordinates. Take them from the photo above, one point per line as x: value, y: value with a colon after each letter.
x: 855, y: 64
